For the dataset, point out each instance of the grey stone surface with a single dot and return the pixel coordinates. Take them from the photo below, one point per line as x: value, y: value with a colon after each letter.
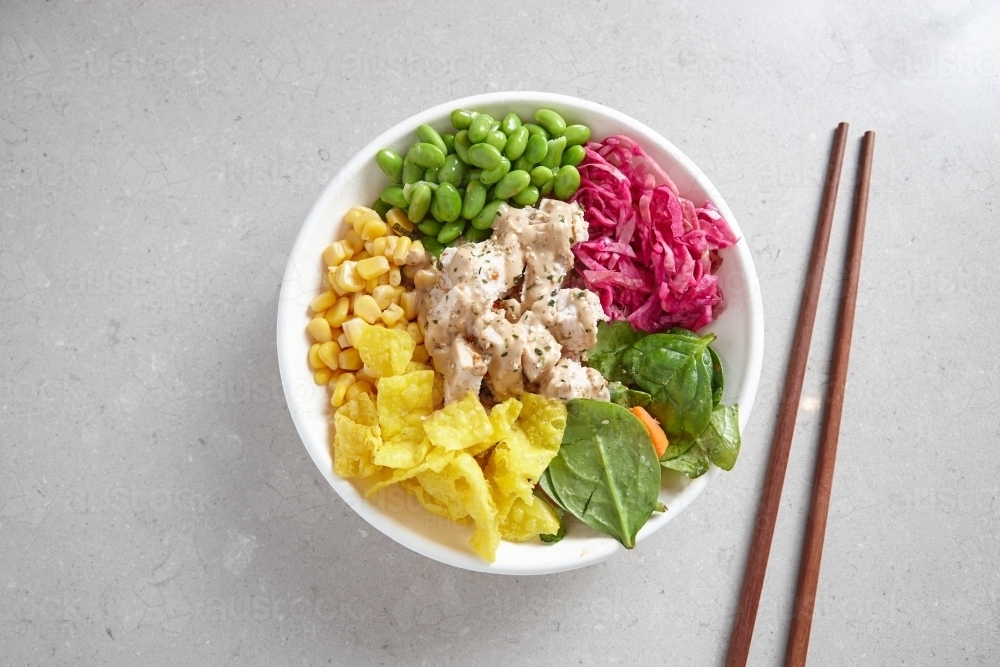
x: 156, y: 160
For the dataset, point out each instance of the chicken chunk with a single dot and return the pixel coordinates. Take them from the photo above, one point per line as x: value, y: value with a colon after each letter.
x: 572, y: 316
x: 569, y: 379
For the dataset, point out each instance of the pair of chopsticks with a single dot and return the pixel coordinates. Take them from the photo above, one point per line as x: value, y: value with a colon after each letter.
x: 812, y: 553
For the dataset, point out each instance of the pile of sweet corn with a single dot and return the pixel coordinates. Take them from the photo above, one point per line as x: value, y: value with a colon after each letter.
x: 364, y: 281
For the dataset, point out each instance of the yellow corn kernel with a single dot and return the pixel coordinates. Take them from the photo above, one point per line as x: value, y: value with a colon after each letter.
x: 414, y: 330
x: 319, y: 329
x: 397, y: 219
x: 333, y: 379
x: 334, y: 285
x: 322, y: 376
x: 361, y: 387
x: 369, y: 247
x: 350, y: 359
x: 373, y: 267
x: 370, y: 285
x: 425, y: 279
x: 417, y: 254
x: 400, y: 325
x: 420, y: 323
x: 383, y: 295
x: 408, y: 301
x: 349, y: 278
x: 352, y: 329
x: 358, y: 216
x: 367, y: 375
x: 420, y: 354
x: 390, y: 247
x: 378, y: 245
x: 314, y: 361
x: 337, y: 253
x: 392, y: 314
x: 373, y: 229
x: 323, y: 301
x: 367, y: 309
x: 340, y: 388
x: 383, y: 279
x: 354, y: 240
x: 337, y: 315
x: 400, y: 291
x: 343, y: 341
x: 395, y: 277
x: 328, y: 354
x: 402, y: 250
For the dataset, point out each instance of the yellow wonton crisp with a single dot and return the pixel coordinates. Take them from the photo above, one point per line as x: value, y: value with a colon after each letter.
x: 357, y: 438
x: 543, y: 420
x: 461, y: 490
x: 519, y: 459
x: 435, y: 461
x: 526, y: 520
x: 403, y: 403
x: 385, y: 351
x: 502, y: 417
x: 459, y: 425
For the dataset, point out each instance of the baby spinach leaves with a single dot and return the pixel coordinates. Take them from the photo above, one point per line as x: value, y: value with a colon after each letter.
x: 612, y: 342
x: 606, y: 472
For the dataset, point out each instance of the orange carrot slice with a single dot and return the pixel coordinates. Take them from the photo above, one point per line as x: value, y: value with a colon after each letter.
x: 656, y: 433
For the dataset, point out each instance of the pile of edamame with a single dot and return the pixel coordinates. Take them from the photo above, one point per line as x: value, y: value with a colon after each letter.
x: 453, y: 185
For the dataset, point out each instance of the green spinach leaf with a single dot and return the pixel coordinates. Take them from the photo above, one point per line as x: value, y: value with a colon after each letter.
x: 605, y: 473
x: 628, y: 398
x: 693, y: 463
x: 612, y: 341
x: 718, y: 381
x: 721, y: 439
x: 675, y: 369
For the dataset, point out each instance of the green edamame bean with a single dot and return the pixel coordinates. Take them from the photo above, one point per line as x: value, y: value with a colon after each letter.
x: 537, y: 129
x: 574, y: 155
x: 496, y: 139
x: 522, y: 164
x: 484, y: 156
x: 451, y: 231
x: 447, y: 203
x: 517, y: 141
x: 576, y: 135
x: 546, y: 188
x: 452, y: 171
x: 449, y: 142
x: 426, y: 155
x: 393, y: 196
x: 391, y: 164
x: 553, y: 156
x: 495, y: 126
x: 429, y: 135
x: 475, y: 198
x: 420, y: 201
x: 431, y: 227
x: 567, y: 182
x: 540, y: 174
x: 512, y: 184
x: 431, y: 175
x: 432, y: 245
x: 412, y: 172
x: 527, y: 196
x: 488, y: 215
x: 536, y: 149
x: 473, y: 174
x: 474, y: 235
x: 551, y: 121
x: 462, y: 145
x: 491, y: 176
x: 461, y: 119
x: 381, y: 208
x: 510, y: 123
x: 480, y: 127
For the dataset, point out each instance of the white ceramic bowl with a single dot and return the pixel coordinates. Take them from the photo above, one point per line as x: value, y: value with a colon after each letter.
x: 392, y: 511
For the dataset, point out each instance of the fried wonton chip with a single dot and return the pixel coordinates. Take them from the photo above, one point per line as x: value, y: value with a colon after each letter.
x: 502, y: 417
x: 526, y: 520
x: 403, y: 403
x: 459, y: 425
x: 385, y: 351
x: 357, y: 438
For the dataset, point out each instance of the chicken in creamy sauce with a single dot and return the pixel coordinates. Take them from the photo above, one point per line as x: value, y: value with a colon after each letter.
x: 497, y: 310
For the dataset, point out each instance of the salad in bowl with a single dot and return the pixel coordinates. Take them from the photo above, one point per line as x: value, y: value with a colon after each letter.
x: 520, y: 332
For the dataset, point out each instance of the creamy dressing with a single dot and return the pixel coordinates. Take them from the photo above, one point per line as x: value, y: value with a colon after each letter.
x: 499, y: 308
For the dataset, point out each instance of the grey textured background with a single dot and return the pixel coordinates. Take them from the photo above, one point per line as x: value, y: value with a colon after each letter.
x: 156, y: 506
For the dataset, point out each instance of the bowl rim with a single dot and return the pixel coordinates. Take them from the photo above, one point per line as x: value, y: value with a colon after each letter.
x: 290, y: 282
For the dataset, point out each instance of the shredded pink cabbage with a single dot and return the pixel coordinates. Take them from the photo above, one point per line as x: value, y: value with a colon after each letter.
x: 652, y: 255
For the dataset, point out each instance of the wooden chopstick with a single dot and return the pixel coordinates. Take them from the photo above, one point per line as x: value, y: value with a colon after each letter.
x: 812, y: 552
x: 760, y: 548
